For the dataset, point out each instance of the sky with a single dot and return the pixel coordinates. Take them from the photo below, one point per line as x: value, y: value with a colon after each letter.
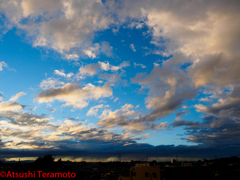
x: 90, y: 79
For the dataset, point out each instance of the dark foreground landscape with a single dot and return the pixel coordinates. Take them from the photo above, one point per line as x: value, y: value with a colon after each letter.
x: 48, y: 168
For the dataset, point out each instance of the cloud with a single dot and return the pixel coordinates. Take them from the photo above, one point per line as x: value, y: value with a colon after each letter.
x: 113, y: 78
x: 107, y: 66
x: 23, y: 119
x: 141, y: 65
x: 156, y: 64
x: 189, y: 27
x: 168, y: 88
x: 179, y: 114
x: 10, y: 106
x: 120, y: 118
x: 50, y: 82
x: 14, y: 98
x: 1, y: 96
x: 178, y: 123
x: 216, y: 69
x: 2, y: 64
x: 129, y: 120
x: 61, y: 73
x: 215, y: 131
x: 94, y: 110
x: 73, y: 95
x: 226, y: 106
x: 72, y: 41
x: 132, y: 47
x: 28, y: 131
x: 200, y: 39
x: 133, y: 151
x: 92, y: 69
x: 97, y: 48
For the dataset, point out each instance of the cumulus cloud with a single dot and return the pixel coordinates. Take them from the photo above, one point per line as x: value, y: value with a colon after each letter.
x: 50, y: 83
x: 59, y: 26
x: 73, y: 95
x: 128, y: 119
x: 29, y: 131
x: 14, y: 98
x: 10, y: 106
x: 200, y: 38
x: 90, y: 69
x: 97, y: 48
x: 61, y: 73
x: 168, y: 88
x: 120, y: 118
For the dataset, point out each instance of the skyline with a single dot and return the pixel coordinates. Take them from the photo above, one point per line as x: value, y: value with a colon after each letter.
x: 92, y: 79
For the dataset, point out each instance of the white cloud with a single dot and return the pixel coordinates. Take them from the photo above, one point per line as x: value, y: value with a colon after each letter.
x: 141, y: 65
x: 92, y: 51
x: 94, y: 110
x: 72, y: 57
x: 14, y: 98
x: 132, y: 47
x: 106, y: 66
x: 50, y: 82
x: 99, y: 81
x: 59, y: 27
x: 61, y: 73
x: 92, y: 69
x: 156, y: 64
x: 2, y: 64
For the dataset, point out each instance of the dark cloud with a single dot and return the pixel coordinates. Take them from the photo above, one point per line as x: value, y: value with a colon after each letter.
x: 131, y: 152
x: 184, y: 123
x: 214, y: 130
x: 228, y: 105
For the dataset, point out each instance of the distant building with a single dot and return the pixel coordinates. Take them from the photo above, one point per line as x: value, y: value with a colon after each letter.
x: 186, y: 164
x: 173, y: 160
x: 144, y: 172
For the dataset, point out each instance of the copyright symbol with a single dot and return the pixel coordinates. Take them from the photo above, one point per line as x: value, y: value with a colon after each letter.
x: 2, y: 174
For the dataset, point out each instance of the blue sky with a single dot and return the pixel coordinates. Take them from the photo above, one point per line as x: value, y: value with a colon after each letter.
x: 96, y: 79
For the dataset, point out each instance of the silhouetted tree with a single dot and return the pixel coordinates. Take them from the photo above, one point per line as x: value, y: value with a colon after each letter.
x: 45, y: 162
x: 45, y: 159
